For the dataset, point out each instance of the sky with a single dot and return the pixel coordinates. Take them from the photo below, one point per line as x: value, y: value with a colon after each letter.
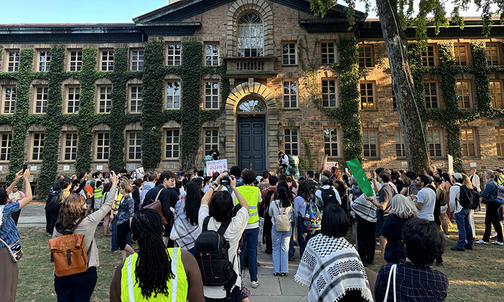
x: 99, y: 11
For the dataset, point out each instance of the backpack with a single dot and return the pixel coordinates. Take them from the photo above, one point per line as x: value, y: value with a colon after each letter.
x: 468, y: 199
x: 312, y: 219
x: 54, y: 202
x: 211, y: 251
x: 500, y: 193
x: 328, y: 196
x: 282, y: 221
x: 69, y: 254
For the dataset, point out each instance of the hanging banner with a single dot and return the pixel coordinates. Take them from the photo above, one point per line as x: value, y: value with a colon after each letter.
x: 360, y: 176
x: 216, y: 166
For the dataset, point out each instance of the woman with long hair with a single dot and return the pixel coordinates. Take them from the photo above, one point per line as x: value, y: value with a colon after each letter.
x: 306, y: 194
x: 401, y: 210
x: 9, y: 237
x: 73, y: 218
x: 281, y: 205
x: 185, y: 229
x: 156, y: 273
x: 125, y: 213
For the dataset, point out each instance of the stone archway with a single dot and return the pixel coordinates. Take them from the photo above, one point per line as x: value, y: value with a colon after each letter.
x: 230, y: 126
x: 236, y: 10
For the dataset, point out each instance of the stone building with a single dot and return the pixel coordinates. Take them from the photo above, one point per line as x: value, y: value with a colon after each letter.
x: 263, y: 63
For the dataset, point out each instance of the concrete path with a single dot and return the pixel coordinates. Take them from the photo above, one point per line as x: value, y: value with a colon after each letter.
x: 271, y: 288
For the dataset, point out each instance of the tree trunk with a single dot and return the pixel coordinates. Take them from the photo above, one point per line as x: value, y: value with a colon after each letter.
x: 402, y: 82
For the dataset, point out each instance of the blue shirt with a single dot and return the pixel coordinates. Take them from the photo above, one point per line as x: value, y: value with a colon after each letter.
x: 146, y: 187
x: 490, y: 192
x: 8, y: 231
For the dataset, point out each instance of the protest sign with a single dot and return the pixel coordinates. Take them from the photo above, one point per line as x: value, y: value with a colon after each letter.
x: 216, y: 166
x: 358, y: 173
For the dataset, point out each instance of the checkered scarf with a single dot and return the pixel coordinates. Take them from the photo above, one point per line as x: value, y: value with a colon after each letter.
x: 330, y: 267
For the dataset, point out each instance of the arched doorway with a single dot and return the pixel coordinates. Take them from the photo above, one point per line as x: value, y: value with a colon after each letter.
x: 251, y: 133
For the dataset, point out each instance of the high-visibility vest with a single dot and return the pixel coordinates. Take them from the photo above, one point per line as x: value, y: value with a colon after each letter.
x: 98, y: 191
x: 117, y: 203
x: 251, y: 195
x: 177, y: 287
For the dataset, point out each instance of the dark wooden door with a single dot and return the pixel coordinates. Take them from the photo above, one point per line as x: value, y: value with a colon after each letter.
x: 251, y: 143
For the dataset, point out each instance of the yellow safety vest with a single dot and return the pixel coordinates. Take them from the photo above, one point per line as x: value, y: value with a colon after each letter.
x: 117, y: 203
x: 98, y: 191
x: 251, y: 195
x: 177, y: 287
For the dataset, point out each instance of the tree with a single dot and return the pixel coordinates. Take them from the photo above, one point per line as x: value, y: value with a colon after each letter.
x: 395, y: 16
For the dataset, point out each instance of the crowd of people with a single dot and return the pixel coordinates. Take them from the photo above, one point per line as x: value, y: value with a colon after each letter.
x: 187, y: 237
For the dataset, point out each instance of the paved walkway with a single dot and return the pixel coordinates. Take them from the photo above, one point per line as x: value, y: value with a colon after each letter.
x: 278, y: 289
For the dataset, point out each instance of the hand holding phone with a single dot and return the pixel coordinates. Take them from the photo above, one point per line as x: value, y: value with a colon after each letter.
x: 25, y: 166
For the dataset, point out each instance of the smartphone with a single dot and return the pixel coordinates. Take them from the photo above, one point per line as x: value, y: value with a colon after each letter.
x: 25, y: 166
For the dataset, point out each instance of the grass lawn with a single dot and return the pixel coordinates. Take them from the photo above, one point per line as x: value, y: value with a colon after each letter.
x: 474, y: 275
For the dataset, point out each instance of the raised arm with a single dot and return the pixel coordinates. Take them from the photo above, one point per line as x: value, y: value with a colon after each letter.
x: 105, y: 208
x: 243, y: 203
x: 27, y: 189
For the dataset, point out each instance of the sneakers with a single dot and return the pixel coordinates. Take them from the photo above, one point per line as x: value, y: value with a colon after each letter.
x: 481, y: 241
x: 498, y: 243
x: 255, y: 284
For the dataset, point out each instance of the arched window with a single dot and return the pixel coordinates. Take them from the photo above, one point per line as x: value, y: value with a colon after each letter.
x: 251, y: 105
x: 250, y: 36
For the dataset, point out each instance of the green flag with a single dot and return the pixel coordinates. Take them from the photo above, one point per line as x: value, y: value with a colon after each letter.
x: 358, y: 173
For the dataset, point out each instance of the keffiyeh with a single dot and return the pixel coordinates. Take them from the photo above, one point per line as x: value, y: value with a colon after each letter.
x: 364, y: 208
x: 330, y: 267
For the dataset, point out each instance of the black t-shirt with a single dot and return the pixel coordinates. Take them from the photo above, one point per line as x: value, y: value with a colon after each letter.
x: 392, y: 230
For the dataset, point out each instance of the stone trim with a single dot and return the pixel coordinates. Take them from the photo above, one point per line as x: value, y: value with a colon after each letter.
x: 236, y: 10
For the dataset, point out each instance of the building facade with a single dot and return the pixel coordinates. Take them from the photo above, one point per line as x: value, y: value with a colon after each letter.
x: 251, y: 77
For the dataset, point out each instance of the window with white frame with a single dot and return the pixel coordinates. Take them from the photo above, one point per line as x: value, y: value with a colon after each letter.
x: 172, y: 139
x: 136, y: 99
x: 107, y: 60
x: 70, y: 147
x: 211, y: 139
x: 291, y: 141
x: 464, y: 94
x: 290, y: 94
x: 102, y: 145
x: 73, y: 99
x: 370, y: 143
x: 9, y: 100
x: 12, y: 60
x: 136, y: 59
x: 134, y: 145
x: 37, y: 146
x: 399, y: 143
x: 365, y: 56
x: 289, y: 53
x: 75, y: 59
x: 40, y: 106
x: 173, y: 95
x: 212, y: 54
x: 331, y: 142
x: 44, y: 60
x: 173, y: 54
x: 367, y: 95
x: 328, y: 52
x: 468, y: 142
x: 329, y: 93
x: 431, y: 94
x: 5, y: 146
x: 434, y: 142
x: 250, y: 36
x: 211, y: 95
x: 104, y: 99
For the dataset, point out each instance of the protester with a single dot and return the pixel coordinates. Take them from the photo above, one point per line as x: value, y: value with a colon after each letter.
x: 15, y: 195
x: 137, y: 187
x: 73, y: 219
x: 106, y: 219
x: 323, y: 258
x: 465, y: 240
x: 155, y: 273
x: 409, y: 185
x: 475, y: 180
x: 467, y: 182
x: 443, y: 205
x: 326, y: 184
x: 425, y: 200
x: 365, y: 214
x: 149, y: 180
x: 401, y: 210
x: 267, y: 196
x: 306, y: 195
x: 10, y: 248
x: 219, y: 207
x: 251, y: 234
x: 281, y: 206
x: 57, y: 194
x: 264, y: 183
x: 489, y: 197
x: 185, y: 229
x: 447, y: 184
x: 414, y: 279
x: 125, y: 213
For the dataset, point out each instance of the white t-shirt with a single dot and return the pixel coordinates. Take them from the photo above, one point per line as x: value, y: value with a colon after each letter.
x: 232, y: 235
x: 427, y: 197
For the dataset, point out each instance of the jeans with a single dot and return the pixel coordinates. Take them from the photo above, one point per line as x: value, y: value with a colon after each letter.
x: 250, y: 243
x: 301, y: 229
x: 113, y: 229
x: 280, y: 250
x: 292, y: 250
x: 76, y: 288
x: 492, y: 217
x: 464, y: 228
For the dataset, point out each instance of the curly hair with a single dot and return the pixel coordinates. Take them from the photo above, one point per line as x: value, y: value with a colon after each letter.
x: 153, y: 266
x: 71, y: 212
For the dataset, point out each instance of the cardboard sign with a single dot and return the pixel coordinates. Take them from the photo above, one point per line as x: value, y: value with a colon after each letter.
x: 331, y: 164
x: 450, y: 164
x: 216, y: 166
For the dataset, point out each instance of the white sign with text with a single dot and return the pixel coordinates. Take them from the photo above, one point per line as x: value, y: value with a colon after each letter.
x: 216, y: 166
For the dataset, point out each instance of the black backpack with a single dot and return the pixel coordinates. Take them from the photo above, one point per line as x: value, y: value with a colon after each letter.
x: 468, y: 199
x: 211, y: 251
x: 328, y: 196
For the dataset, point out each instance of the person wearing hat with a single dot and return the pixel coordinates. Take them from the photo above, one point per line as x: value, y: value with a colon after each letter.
x: 461, y: 216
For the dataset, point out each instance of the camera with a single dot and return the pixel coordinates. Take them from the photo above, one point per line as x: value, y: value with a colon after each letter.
x: 225, y: 181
